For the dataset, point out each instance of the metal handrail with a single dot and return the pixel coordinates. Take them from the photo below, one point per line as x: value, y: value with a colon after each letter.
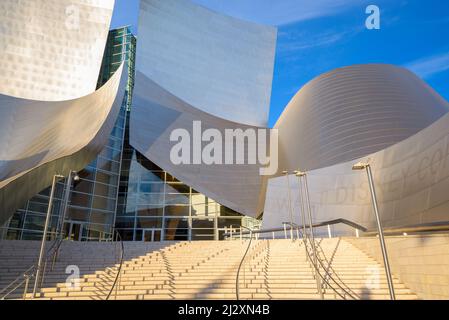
x: 316, y: 267
x: 122, y: 253
x: 333, y: 272
x: 28, y: 273
x: 25, y: 276
x: 237, y: 292
x: 414, y: 228
x: 316, y: 225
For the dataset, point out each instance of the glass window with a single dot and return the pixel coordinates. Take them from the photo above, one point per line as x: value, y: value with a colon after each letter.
x: 227, y: 222
x: 102, y: 217
x: 77, y: 214
x: 80, y: 199
x: 34, y: 222
x: 150, y: 198
x: 104, y: 203
x: 176, y: 234
x: 177, y: 210
x: 127, y: 235
x: 152, y: 176
x: 148, y: 223
x: 124, y: 222
x: 105, y: 190
x: 83, y: 185
x: 177, y: 199
x: 178, y: 188
x: 203, y: 223
x: 150, y: 211
x: 152, y: 187
x: 176, y: 223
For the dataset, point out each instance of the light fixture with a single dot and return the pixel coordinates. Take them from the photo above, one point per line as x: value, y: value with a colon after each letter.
x: 299, y: 173
x: 360, y: 166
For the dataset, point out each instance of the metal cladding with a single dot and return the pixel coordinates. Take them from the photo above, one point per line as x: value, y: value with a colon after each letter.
x: 156, y: 113
x: 40, y: 138
x: 52, y: 50
x: 411, y: 180
x: 354, y: 111
x: 216, y: 63
x: 196, y: 65
x: 51, y: 118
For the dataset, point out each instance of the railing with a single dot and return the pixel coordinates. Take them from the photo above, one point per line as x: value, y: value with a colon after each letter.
x: 237, y: 289
x: 327, y: 277
x: 116, y: 283
x: 415, y: 228
x: 30, y: 273
x: 315, y: 255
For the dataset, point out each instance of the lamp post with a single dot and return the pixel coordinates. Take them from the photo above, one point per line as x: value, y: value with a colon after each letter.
x: 44, y: 236
x: 300, y: 174
x: 367, y: 167
x: 72, y: 176
x: 289, y: 203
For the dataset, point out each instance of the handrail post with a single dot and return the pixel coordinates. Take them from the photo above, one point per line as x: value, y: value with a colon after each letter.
x: 299, y: 174
x: 312, y: 238
x: 44, y: 236
x: 290, y: 209
x: 381, y: 234
x: 25, y: 290
x: 285, y: 231
x: 329, y: 232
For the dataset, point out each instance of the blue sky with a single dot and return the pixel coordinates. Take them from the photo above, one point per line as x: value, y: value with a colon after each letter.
x: 315, y: 36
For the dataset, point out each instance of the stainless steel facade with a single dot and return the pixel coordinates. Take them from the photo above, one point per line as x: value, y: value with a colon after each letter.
x: 354, y: 111
x: 52, y: 50
x: 51, y: 55
x: 194, y: 64
x: 216, y: 63
x: 411, y: 179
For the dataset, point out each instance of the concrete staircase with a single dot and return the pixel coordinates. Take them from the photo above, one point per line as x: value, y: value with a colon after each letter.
x: 273, y: 269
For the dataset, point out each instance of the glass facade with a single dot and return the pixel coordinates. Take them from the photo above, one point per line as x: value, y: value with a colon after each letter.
x: 152, y: 204
x: 122, y: 189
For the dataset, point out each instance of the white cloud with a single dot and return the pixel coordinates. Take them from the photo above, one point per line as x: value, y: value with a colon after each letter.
x: 429, y: 66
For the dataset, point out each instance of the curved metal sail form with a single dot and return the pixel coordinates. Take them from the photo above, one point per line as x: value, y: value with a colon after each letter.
x: 40, y: 138
x: 354, y: 111
x: 216, y: 63
x: 197, y: 65
x: 157, y: 113
x: 411, y: 180
x: 51, y: 118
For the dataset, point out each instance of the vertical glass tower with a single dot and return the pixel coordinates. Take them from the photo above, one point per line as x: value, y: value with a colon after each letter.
x: 121, y: 189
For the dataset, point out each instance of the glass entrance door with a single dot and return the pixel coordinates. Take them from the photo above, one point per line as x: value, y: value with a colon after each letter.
x: 150, y: 235
x: 73, y: 230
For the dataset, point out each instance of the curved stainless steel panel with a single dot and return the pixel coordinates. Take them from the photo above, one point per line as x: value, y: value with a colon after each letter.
x: 216, y: 63
x: 156, y: 113
x: 354, y: 111
x: 411, y: 179
x: 52, y: 50
x: 40, y: 138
